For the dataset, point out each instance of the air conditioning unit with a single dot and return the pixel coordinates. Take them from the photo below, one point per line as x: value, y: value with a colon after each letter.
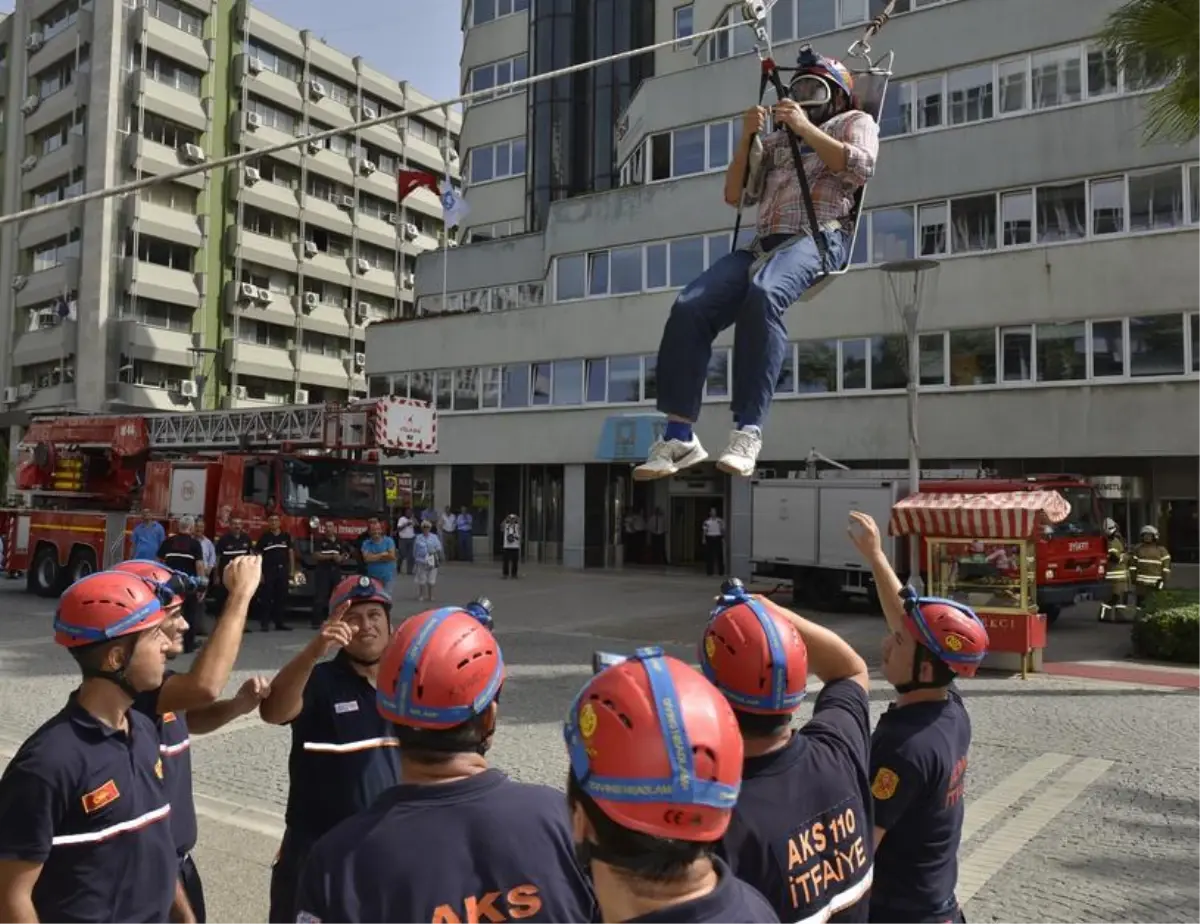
x: 310, y: 248
x: 29, y: 107
x: 361, y: 311
x: 192, y: 153
x: 252, y: 175
x: 410, y: 231
x: 367, y: 112
x: 18, y: 283
x: 29, y: 163
x: 10, y: 395
x: 345, y: 202
x: 392, y: 218
x: 253, y: 120
x: 360, y: 360
x: 249, y: 291
x: 241, y: 392
x: 263, y: 296
x: 314, y: 147
x: 453, y: 156
x: 34, y: 41
x: 316, y: 89
x: 451, y: 242
x: 302, y: 396
x: 362, y: 265
x: 311, y: 300
x: 254, y: 65
x: 409, y: 280
x: 188, y: 388
x: 364, y: 166
x: 25, y: 391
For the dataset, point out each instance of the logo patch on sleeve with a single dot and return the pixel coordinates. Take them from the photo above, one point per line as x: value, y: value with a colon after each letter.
x: 100, y: 797
x: 351, y: 705
x: 168, y: 717
x: 885, y: 783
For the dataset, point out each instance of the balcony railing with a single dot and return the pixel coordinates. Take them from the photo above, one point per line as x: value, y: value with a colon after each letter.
x: 484, y: 301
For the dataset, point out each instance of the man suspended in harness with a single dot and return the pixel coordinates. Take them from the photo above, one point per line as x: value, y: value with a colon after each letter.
x: 750, y: 289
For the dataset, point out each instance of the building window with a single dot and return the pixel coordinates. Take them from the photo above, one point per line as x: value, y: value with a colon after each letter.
x: 1103, y: 72
x: 889, y: 362
x: 624, y: 379
x: 973, y: 219
x: 496, y: 76
x: 970, y: 94
x: 1056, y: 77
x: 1061, y: 212
x: 684, y: 26
x: 933, y: 359
x: 595, y: 380
x: 497, y: 161
x: 487, y: 10
x: 853, y: 364
x: 931, y: 222
x: 973, y: 357
x: 716, y: 381
x: 625, y: 269
x: 1193, y: 173
x: 1016, y: 217
x: 1062, y: 352
x: 816, y: 366
x: 1108, y: 206
x: 892, y: 235
x: 1156, y: 345
x: 689, y: 151
x: 1156, y: 200
x: 568, y: 382
x: 1013, y: 85
x: 1016, y: 354
x: 1108, y: 349
x: 514, y: 385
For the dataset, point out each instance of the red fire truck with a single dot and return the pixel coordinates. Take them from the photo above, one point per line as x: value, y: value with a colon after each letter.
x: 86, y: 479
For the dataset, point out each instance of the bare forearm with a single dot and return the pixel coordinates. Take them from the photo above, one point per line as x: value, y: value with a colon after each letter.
x: 832, y: 152
x: 219, y: 714
x: 888, y: 585
x: 287, y: 689
x: 201, y: 686
x: 735, y: 174
x: 181, y: 909
x: 18, y: 909
x: 829, y: 655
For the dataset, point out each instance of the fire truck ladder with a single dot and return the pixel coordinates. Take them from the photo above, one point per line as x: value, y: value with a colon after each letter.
x: 300, y: 425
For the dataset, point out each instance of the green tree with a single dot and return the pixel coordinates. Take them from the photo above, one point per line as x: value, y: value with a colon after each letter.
x: 1159, y: 40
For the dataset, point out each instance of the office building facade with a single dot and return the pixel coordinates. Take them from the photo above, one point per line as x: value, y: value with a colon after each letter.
x: 1059, y: 333
x: 241, y: 286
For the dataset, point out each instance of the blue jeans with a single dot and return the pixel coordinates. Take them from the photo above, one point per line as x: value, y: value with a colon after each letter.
x: 725, y: 295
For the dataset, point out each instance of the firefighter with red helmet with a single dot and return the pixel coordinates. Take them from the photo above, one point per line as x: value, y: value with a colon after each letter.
x: 656, y: 766
x: 343, y: 753
x: 85, y: 832
x: 456, y: 840
x: 186, y: 703
x: 802, y: 830
x: 920, y: 746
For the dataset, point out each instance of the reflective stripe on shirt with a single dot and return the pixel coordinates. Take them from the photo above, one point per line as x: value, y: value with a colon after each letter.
x: 124, y: 827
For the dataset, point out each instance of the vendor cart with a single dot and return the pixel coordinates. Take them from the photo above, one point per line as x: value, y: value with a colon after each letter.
x: 980, y: 550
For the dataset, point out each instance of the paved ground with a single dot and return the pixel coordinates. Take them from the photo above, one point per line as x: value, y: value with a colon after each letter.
x: 1082, y: 796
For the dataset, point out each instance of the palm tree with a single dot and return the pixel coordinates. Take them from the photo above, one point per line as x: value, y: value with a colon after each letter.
x: 1160, y: 41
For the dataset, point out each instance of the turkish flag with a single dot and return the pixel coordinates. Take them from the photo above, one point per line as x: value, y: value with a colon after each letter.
x: 409, y: 181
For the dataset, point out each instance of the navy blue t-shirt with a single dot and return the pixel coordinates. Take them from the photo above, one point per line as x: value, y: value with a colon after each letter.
x: 89, y: 803
x: 175, y: 746
x: 918, y: 770
x: 344, y: 753
x: 731, y: 902
x: 481, y: 849
x: 802, y: 832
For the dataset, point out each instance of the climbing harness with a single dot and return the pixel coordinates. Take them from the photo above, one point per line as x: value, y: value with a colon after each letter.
x: 870, y: 83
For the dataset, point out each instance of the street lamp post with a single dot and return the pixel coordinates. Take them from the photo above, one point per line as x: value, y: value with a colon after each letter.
x: 906, y: 290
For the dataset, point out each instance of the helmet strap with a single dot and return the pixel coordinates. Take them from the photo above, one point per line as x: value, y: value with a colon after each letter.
x: 118, y: 676
x: 940, y: 675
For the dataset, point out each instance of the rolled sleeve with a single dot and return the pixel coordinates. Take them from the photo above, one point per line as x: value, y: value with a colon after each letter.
x: 860, y: 134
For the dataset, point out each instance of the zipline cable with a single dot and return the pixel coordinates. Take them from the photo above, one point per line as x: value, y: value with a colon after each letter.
x: 233, y: 159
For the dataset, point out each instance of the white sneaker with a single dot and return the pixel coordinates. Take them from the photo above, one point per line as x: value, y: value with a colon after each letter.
x: 742, y: 454
x: 667, y: 457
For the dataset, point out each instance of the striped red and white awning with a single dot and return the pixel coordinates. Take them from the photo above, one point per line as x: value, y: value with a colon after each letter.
x: 1007, y: 515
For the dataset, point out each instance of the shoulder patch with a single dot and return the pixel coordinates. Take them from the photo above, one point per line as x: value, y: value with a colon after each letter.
x: 885, y: 783
x: 100, y: 797
x: 168, y: 717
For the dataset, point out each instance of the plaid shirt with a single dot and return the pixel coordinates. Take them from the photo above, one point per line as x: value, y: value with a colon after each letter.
x: 781, y: 207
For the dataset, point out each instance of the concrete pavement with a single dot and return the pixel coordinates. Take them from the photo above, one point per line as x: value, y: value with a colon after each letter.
x: 1083, y: 800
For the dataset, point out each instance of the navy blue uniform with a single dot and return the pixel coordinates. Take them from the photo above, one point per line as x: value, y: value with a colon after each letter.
x: 343, y: 756
x: 175, y: 746
x: 481, y: 849
x: 272, y: 596
x: 918, y: 768
x: 802, y: 832
x: 732, y: 901
x: 89, y: 803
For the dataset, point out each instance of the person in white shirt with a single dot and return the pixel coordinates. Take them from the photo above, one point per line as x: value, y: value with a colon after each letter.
x: 714, y: 543
x: 447, y: 529
x: 510, y: 532
x: 406, y: 533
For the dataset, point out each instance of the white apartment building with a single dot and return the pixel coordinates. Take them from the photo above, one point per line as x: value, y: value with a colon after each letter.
x: 232, y: 287
x: 1061, y: 334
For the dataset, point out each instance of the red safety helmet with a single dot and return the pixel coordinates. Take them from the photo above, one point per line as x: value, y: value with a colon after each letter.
x: 157, y: 573
x: 809, y: 64
x: 359, y: 588
x: 754, y: 655
x: 108, y: 605
x: 948, y: 629
x: 657, y: 747
x: 442, y: 668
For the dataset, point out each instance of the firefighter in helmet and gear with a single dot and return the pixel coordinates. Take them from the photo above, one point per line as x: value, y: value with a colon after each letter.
x: 456, y: 839
x: 1149, y: 565
x: 84, y: 801
x: 655, y: 771
x: 1117, y: 573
